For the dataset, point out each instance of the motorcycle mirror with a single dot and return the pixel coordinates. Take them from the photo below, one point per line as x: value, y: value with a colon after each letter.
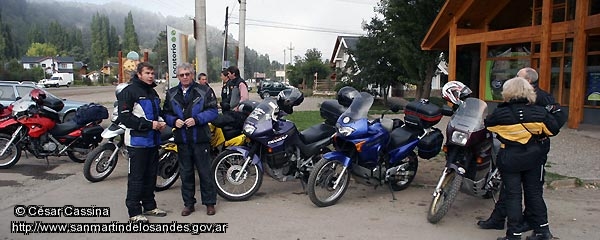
x: 447, y: 110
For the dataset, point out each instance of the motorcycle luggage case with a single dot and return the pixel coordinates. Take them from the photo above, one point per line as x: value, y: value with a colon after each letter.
x: 330, y: 111
x: 430, y: 145
x: 54, y: 103
x: 92, y: 134
x: 428, y: 114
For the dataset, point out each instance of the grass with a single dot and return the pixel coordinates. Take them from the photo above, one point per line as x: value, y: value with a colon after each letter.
x: 305, y: 119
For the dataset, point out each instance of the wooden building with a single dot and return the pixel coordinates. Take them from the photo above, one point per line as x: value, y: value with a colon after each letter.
x: 488, y: 41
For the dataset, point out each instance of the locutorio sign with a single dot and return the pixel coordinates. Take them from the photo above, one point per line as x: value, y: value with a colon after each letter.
x: 177, y: 52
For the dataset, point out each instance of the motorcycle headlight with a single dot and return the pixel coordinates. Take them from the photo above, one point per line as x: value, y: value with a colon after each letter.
x: 460, y: 138
x: 345, y: 131
x: 249, y: 129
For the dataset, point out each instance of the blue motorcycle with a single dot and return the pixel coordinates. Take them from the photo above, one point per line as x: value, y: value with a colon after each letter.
x: 375, y: 152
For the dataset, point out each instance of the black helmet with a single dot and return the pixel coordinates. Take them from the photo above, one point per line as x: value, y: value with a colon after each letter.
x: 346, y: 94
x: 289, y: 98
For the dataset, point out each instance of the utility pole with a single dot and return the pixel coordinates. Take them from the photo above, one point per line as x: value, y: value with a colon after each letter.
x: 284, y: 73
x: 200, y: 34
x: 291, y: 49
x: 242, y: 45
x: 224, y: 63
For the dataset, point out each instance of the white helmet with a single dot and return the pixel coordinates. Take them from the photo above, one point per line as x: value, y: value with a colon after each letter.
x: 454, y: 91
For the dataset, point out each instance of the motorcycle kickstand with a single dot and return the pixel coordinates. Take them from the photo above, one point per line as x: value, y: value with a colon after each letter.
x: 392, y: 191
x: 47, y: 162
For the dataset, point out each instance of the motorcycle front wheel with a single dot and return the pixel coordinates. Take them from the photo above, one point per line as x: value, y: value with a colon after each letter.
x: 233, y: 182
x: 321, y: 182
x: 12, y: 154
x: 440, y: 204
x: 100, y: 163
x: 168, y: 170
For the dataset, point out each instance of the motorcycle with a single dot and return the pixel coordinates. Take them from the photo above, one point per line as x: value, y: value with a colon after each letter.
x: 38, y: 131
x: 470, y: 154
x: 375, y: 152
x: 102, y: 160
x: 275, y: 146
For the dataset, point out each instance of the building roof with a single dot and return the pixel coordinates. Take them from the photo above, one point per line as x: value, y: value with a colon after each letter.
x: 348, y: 42
x: 41, y: 59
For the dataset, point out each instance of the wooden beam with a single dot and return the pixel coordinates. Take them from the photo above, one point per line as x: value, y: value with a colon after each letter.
x: 578, y: 87
x: 593, y: 22
x: 545, y: 69
x: 500, y: 35
x: 452, y: 51
x: 482, y: 70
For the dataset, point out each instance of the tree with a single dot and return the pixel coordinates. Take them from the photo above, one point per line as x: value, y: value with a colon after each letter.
x: 393, y: 45
x: 41, y: 50
x: 8, y: 48
x: 130, y: 41
x: 307, y: 67
x: 160, y: 50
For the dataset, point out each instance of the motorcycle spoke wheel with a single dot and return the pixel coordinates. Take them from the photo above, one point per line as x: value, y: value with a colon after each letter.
x: 441, y: 203
x: 168, y: 170
x: 12, y: 154
x: 227, y: 167
x: 98, y: 163
x: 321, y: 182
x: 403, y: 178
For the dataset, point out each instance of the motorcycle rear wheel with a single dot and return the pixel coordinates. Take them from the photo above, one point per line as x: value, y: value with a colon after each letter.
x: 98, y: 163
x: 325, y: 173
x: 400, y: 183
x: 168, y: 170
x: 12, y: 154
x: 79, y: 157
x: 441, y: 203
x: 225, y: 169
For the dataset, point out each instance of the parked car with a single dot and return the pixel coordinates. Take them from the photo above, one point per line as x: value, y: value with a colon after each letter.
x: 271, y: 88
x: 11, y: 91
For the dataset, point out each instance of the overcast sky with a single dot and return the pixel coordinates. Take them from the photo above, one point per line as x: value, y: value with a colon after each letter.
x: 327, y: 19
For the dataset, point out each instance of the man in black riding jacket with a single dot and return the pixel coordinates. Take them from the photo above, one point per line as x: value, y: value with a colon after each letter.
x: 546, y: 100
x: 234, y: 91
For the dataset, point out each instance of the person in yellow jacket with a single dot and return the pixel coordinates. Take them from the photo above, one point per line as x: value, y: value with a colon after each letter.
x: 521, y: 126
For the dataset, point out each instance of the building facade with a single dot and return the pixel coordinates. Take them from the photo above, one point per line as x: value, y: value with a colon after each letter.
x: 489, y: 41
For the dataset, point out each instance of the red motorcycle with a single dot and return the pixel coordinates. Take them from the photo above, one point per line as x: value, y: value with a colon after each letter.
x: 37, y: 129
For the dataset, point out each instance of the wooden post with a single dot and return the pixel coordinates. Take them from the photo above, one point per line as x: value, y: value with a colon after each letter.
x: 578, y: 74
x: 452, y: 50
x: 545, y: 71
x: 120, y: 57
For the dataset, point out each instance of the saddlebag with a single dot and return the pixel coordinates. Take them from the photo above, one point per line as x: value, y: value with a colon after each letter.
x: 90, y: 112
x: 331, y: 111
x: 91, y: 134
x: 430, y: 145
x: 422, y: 113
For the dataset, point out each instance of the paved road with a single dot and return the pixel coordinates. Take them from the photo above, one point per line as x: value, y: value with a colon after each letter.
x: 278, y: 211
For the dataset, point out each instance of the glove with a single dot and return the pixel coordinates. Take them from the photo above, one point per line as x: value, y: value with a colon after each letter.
x: 552, y: 108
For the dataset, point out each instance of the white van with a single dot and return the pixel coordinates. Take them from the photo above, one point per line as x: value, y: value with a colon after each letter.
x: 59, y: 79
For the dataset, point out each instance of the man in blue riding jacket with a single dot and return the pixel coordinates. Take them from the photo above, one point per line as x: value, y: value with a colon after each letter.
x: 139, y: 110
x: 188, y: 108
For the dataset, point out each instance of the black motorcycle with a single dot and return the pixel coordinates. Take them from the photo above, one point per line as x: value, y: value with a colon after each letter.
x: 275, y: 146
x: 470, y: 155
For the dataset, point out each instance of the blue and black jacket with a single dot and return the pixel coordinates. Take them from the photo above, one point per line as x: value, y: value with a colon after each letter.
x: 198, y: 102
x: 138, y: 106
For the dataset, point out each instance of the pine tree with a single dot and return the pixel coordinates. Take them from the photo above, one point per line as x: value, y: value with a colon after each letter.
x: 131, y: 42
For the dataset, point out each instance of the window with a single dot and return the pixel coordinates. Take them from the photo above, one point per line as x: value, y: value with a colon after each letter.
x: 23, y: 91
x: 7, y: 93
x: 503, y: 63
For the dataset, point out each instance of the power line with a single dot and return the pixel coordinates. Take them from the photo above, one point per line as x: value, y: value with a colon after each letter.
x: 298, y: 27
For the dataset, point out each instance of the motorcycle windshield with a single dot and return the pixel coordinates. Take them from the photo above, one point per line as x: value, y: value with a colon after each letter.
x: 356, y: 116
x: 21, y: 105
x: 263, y: 115
x: 469, y: 116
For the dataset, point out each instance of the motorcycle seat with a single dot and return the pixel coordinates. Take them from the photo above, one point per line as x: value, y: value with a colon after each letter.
x: 402, y: 136
x: 165, y: 134
x: 62, y: 129
x: 316, y: 133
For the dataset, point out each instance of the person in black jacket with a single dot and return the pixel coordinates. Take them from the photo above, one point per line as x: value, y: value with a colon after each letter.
x: 544, y: 99
x: 188, y: 108
x: 234, y: 91
x: 520, y: 126
x: 139, y: 110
